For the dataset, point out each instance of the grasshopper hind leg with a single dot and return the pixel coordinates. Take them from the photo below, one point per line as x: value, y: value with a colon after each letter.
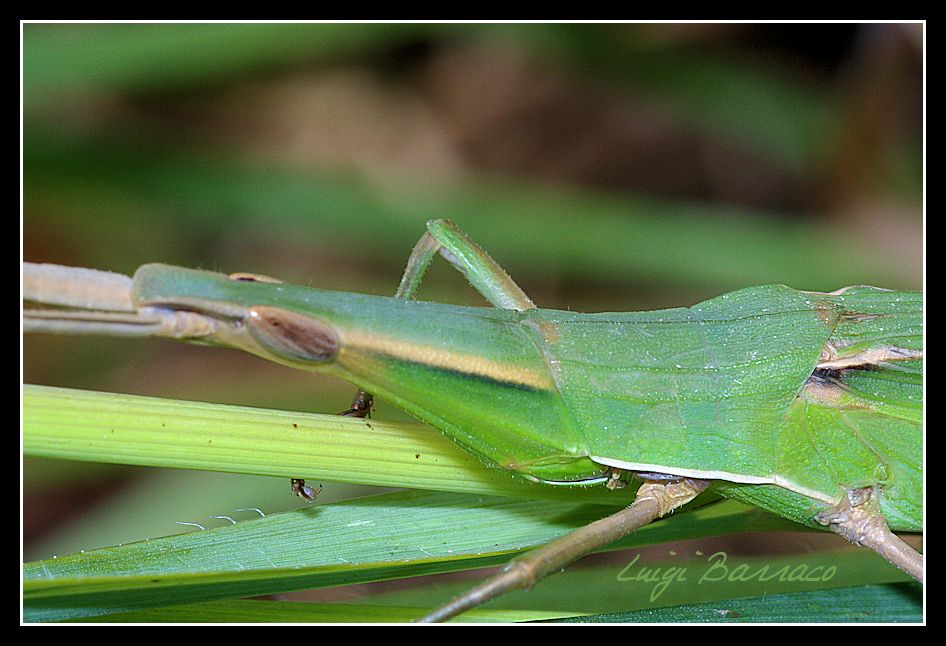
x: 654, y: 499
x: 858, y: 519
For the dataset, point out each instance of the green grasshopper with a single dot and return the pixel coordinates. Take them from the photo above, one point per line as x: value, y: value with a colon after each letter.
x: 808, y: 405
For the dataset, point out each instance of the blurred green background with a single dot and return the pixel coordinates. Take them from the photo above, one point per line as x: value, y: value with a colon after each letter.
x: 607, y: 167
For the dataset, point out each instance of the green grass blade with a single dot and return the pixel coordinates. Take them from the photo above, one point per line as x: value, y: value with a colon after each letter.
x: 369, y: 539
x: 128, y: 429
x: 890, y: 603
x: 251, y: 611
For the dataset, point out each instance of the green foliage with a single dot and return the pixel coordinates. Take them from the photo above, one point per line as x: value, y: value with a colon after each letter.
x: 130, y: 155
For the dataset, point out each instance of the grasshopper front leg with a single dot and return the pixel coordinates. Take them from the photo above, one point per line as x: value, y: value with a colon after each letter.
x: 484, y: 273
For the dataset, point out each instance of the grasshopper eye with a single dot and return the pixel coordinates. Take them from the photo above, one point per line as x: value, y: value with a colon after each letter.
x: 292, y: 335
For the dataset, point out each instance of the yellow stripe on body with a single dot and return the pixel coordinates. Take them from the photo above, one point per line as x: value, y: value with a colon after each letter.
x: 355, y: 343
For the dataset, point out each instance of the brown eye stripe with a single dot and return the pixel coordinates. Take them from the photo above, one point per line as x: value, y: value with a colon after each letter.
x: 292, y: 335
